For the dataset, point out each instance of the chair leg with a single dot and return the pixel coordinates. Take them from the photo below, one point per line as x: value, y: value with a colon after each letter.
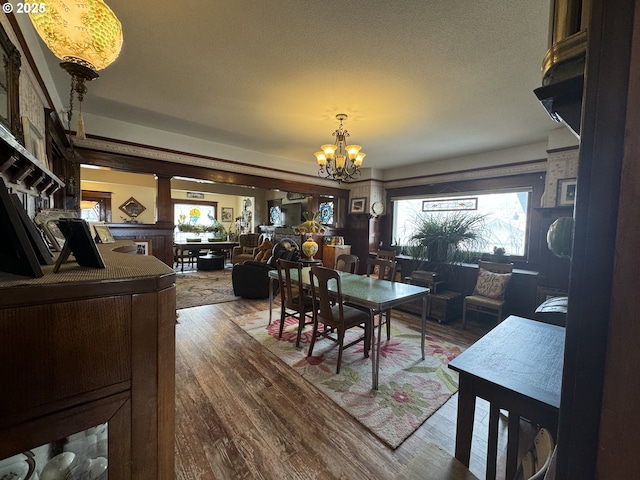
x: 301, y: 321
x: 464, y: 315
x: 388, y: 320
x: 282, y: 317
x: 340, y: 348
x: 313, y: 337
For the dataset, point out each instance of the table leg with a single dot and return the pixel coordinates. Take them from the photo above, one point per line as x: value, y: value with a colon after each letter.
x: 492, y: 442
x: 271, y: 280
x: 464, y: 423
x: 374, y: 350
x: 376, y: 367
x: 513, y: 436
x: 424, y: 323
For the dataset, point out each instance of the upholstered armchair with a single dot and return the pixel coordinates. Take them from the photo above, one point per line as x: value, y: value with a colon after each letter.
x: 247, y: 248
x: 251, y: 278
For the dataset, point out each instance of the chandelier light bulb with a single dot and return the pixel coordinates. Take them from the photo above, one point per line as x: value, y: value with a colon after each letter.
x: 322, y: 159
x: 329, y: 150
x: 353, y: 150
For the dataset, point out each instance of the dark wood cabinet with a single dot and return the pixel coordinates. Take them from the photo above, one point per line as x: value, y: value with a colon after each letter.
x: 88, y: 346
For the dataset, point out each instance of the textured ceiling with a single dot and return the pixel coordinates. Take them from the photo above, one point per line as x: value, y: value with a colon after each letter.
x: 421, y: 80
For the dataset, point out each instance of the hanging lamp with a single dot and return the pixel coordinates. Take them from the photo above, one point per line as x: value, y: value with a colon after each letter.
x: 86, y: 35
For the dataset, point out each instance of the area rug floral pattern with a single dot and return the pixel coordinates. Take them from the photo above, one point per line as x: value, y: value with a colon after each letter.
x: 203, y: 288
x: 410, y: 389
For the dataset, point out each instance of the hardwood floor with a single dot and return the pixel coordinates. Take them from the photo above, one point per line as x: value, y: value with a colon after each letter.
x: 242, y: 414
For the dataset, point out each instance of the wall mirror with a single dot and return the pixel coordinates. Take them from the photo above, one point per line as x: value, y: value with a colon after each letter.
x: 9, y: 93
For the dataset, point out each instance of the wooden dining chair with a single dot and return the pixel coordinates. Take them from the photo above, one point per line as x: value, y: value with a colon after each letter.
x: 537, y: 458
x: 347, y: 263
x: 295, y: 302
x: 386, y: 254
x: 488, y: 296
x: 330, y: 310
x: 382, y: 269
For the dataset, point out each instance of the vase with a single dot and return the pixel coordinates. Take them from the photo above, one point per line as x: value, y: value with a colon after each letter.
x: 309, y: 247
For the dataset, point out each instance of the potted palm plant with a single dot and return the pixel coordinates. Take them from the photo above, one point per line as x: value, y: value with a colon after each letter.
x: 437, y: 242
x: 438, y: 238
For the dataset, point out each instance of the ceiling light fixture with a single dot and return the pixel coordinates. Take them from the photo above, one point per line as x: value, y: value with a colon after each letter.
x: 339, y: 161
x: 86, y: 35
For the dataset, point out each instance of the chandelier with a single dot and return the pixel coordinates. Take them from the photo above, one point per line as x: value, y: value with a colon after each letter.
x: 339, y: 161
x: 86, y: 35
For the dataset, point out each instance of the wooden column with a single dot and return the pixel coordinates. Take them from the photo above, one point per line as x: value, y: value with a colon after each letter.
x: 165, y: 209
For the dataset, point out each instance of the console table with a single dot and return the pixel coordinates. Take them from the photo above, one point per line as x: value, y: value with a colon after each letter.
x: 85, y: 347
x: 517, y: 367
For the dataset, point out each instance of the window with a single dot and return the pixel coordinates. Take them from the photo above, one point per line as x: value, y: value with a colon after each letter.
x: 195, y: 214
x: 506, y: 217
x: 326, y: 213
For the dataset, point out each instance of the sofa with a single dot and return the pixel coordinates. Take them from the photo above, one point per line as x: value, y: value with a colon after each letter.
x: 251, y: 278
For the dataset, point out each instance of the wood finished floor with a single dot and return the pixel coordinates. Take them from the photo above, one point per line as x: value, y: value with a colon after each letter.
x: 242, y: 414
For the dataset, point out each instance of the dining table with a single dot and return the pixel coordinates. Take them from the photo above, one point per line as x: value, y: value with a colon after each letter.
x: 183, y: 246
x: 517, y: 368
x: 371, y: 293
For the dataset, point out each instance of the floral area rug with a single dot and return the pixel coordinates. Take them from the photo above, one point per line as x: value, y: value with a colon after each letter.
x: 195, y: 288
x: 410, y: 389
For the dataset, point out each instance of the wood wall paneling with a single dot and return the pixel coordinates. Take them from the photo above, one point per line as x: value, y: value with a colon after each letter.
x: 80, y: 353
x: 604, y: 134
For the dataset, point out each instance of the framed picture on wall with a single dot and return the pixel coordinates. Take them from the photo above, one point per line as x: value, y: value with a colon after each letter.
x: 34, y: 141
x: 358, y: 205
x: 566, y: 192
x: 226, y: 214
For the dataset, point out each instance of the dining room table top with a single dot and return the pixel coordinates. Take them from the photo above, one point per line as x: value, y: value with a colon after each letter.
x: 206, y: 244
x: 368, y: 291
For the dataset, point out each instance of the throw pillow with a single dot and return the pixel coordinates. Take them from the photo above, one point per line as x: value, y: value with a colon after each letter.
x: 249, y: 250
x: 491, y: 285
x: 264, y: 251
